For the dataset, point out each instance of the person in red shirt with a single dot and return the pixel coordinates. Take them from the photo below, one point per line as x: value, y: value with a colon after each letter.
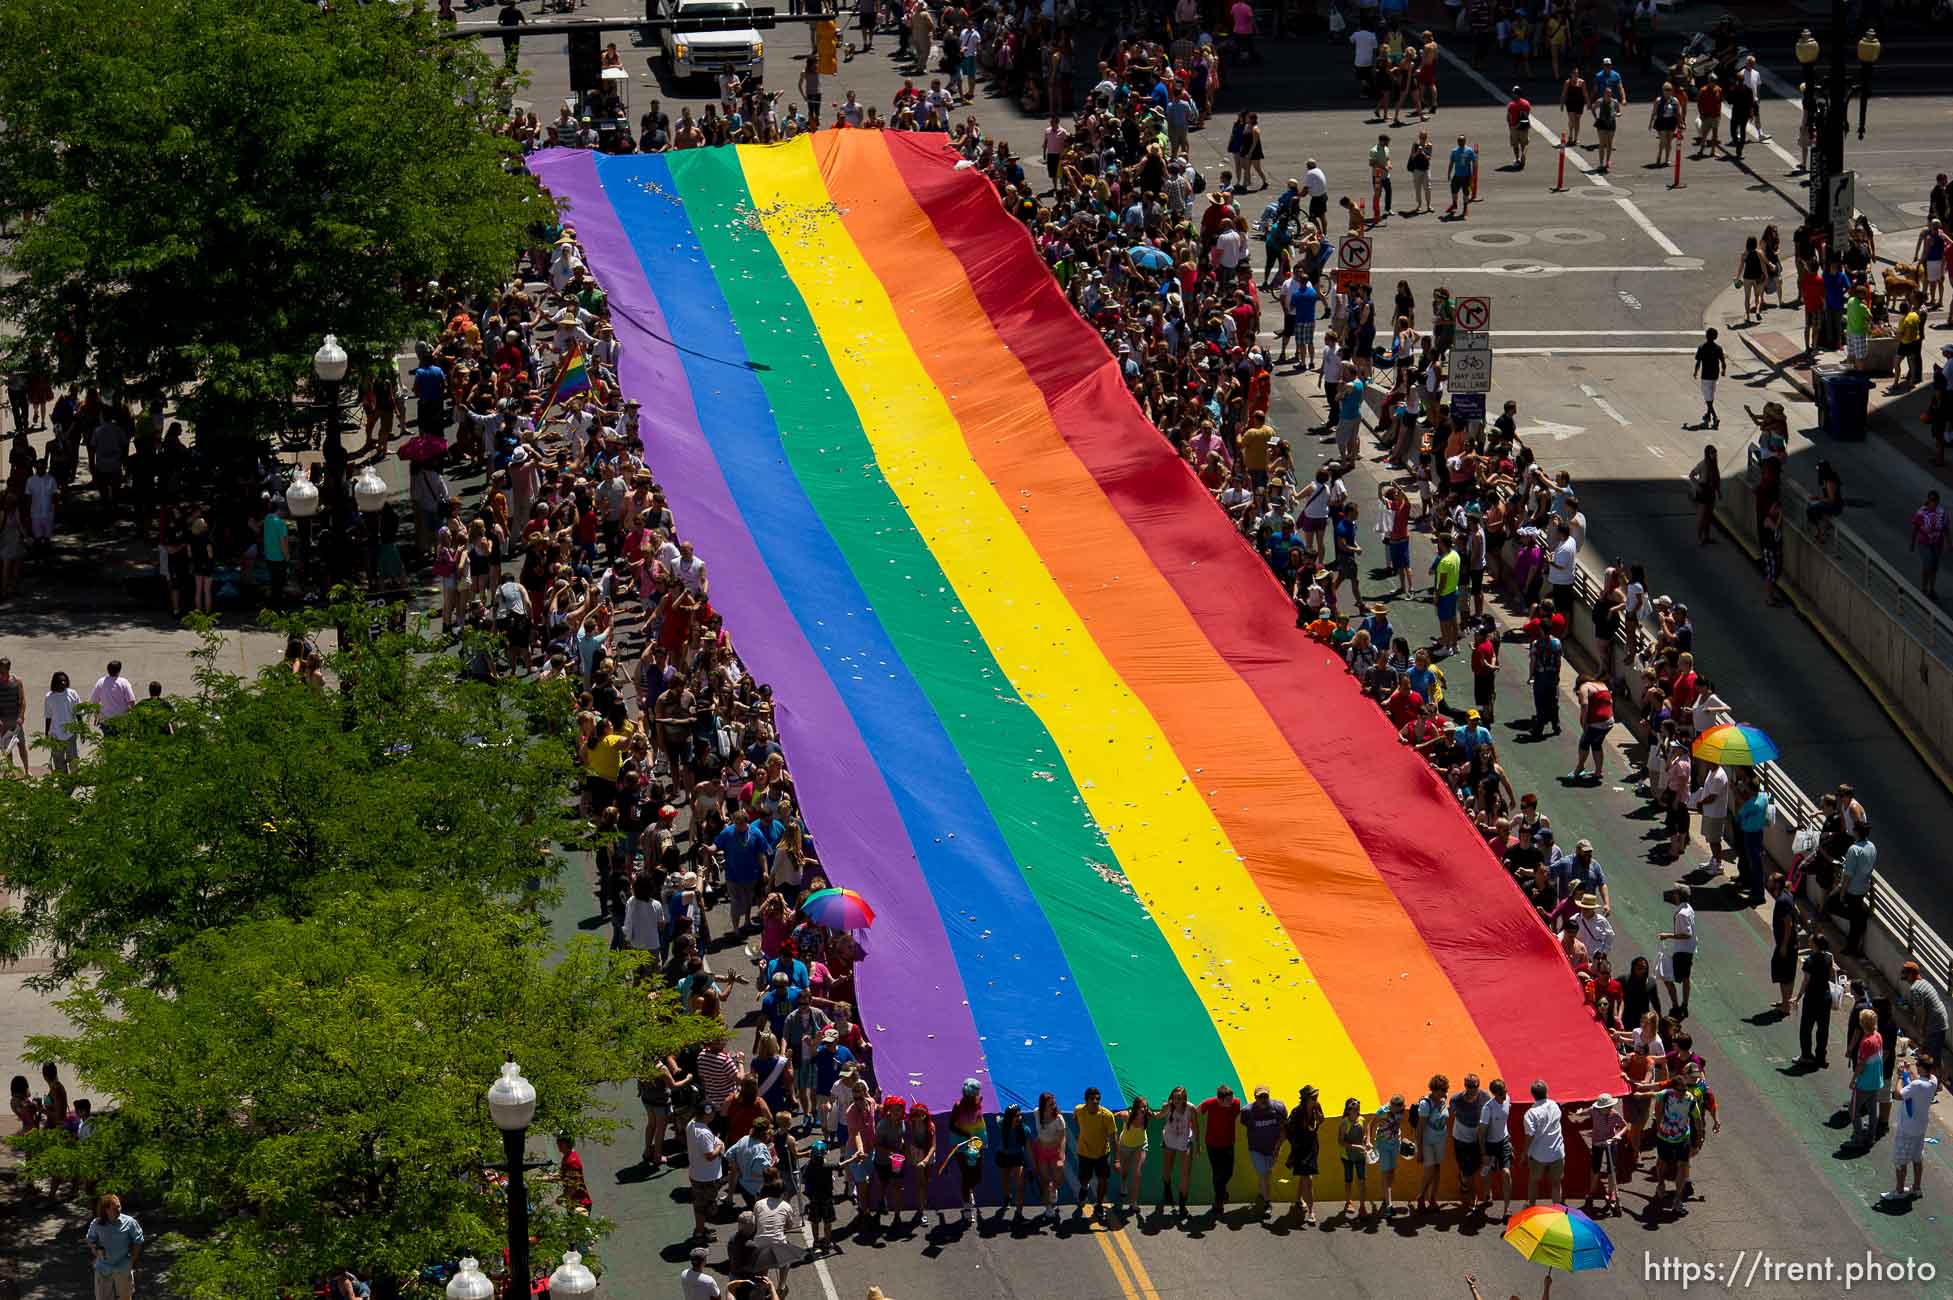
x: 1682, y: 694
x: 1218, y: 1117
x: 1485, y: 671
x: 1708, y: 112
x: 1519, y: 126
x: 1403, y: 704
x: 576, y: 1189
x: 1426, y: 733
x: 1810, y: 288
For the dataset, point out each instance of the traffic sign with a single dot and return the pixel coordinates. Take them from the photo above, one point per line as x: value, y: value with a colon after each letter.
x: 1354, y: 253
x: 1474, y: 313
x: 1471, y: 364
x: 1468, y: 406
x: 1346, y: 277
x: 1842, y: 204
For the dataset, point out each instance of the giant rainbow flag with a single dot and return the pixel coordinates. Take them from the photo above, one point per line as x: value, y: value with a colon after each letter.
x: 1122, y: 823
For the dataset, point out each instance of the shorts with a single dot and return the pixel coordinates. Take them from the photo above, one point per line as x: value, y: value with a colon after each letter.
x: 1709, y: 392
x: 1311, y: 524
x: 119, y: 1284
x: 1010, y: 1160
x: 1713, y: 828
x: 1355, y: 1169
x: 1935, y: 271
x: 1547, y: 1168
x: 1517, y: 135
x: 1683, y: 963
x: 1677, y: 820
x: 1590, y: 737
x: 1671, y: 1154
x: 1855, y: 345
x: 1448, y: 608
x: 1263, y: 1161
x: 1498, y: 1157
x: 1469, y: 1156
x: 968, y: 66
x: 1908, y: 1148
x: 1929, y: 559
x: 1305, y: 331
x: 1090, y: 1167
x: 1460, y: 185
x: 1318, y: 206
x: 11, y: 738
x: 1398, y: 553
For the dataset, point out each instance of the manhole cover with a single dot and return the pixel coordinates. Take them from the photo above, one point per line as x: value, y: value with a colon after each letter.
x: 1607, y: 195
x: 1491, y: 238
x: 1569, y: 235
x: 1685, y: 263
x: 1522, y: 266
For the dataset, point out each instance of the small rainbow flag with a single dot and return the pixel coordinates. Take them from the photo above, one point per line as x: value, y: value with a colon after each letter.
x: 1123, y: 824
x: 572, y: 377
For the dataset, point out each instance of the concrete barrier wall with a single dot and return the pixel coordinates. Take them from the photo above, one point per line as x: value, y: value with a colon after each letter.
x: 1896, y: 934
x: 1849, y: 610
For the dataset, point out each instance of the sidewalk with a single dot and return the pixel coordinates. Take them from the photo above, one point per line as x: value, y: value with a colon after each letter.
x: 1888, y: 474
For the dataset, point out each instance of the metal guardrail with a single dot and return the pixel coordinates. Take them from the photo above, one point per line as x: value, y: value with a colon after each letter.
x: 1923, y: 621
x: 1907, y: 930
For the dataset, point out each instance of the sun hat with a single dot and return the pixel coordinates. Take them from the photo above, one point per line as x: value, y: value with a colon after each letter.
x: 1606, y: 1101
x: 1588, y: 903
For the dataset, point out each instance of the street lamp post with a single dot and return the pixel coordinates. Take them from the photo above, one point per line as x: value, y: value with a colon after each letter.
x: 470, y: 1283
x: 512, y: 1104
x: 572, y: 1278
x: 329, y: 364
x: 1868, y: 52
x: 1807, y: 52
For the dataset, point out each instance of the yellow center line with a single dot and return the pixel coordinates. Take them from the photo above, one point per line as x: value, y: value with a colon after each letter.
x: 1123, y: 1237
x: 1118, y: 1272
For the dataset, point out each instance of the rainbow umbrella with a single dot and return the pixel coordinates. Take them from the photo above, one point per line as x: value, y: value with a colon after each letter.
x: 1735, y: 744
x: 1559, y: 1237
x: 838, y: 909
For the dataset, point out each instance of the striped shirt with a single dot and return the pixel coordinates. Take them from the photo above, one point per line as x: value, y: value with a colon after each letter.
x: 718, y: 1075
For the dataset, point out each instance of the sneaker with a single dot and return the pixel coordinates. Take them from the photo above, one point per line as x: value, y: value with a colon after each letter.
x: 1889, y: 1196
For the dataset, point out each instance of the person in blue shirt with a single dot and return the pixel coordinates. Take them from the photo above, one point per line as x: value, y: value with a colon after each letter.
x: 431, y: 391
x: 1607, y: 83
x: 1473, y: 733
x: 1576, y: 873
x: 778, y: 1002
x: 1464, y: 167
x: 1305, y: 303
x: 742, y: 851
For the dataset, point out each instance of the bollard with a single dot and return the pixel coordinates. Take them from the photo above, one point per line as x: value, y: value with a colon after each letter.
x: 1477, y: 167
x: 1676, y: 184
x: 1559, y: 185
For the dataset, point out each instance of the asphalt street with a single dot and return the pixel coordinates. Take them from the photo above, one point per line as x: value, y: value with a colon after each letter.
x: 1599, y: 295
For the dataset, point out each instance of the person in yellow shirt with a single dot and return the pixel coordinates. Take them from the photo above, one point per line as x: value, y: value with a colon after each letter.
x: 1254, y: 449
x: 603, y: 759
x: 1095, y: 1132
x: 1911, y: 333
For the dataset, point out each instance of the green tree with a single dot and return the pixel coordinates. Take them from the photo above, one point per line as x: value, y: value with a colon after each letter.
x: 310, y: 1095
x: 262, y: 797
x: 202, y: 189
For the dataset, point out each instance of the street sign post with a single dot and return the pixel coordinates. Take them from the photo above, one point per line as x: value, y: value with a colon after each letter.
x: 1471, y: 364
x: 1843, y: 206
x: 1474, y: 314
x: 1352, y: 261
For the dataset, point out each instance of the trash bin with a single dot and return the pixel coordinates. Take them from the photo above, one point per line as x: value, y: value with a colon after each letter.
x: 1847, y: 397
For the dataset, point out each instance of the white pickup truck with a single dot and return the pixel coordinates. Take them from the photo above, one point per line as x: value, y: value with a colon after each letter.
x: 730, y: 44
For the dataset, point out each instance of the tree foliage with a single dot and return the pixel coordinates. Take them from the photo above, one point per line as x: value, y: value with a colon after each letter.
x: 202, y: 189
x: 265, y: 796
x: 313, y: 1089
